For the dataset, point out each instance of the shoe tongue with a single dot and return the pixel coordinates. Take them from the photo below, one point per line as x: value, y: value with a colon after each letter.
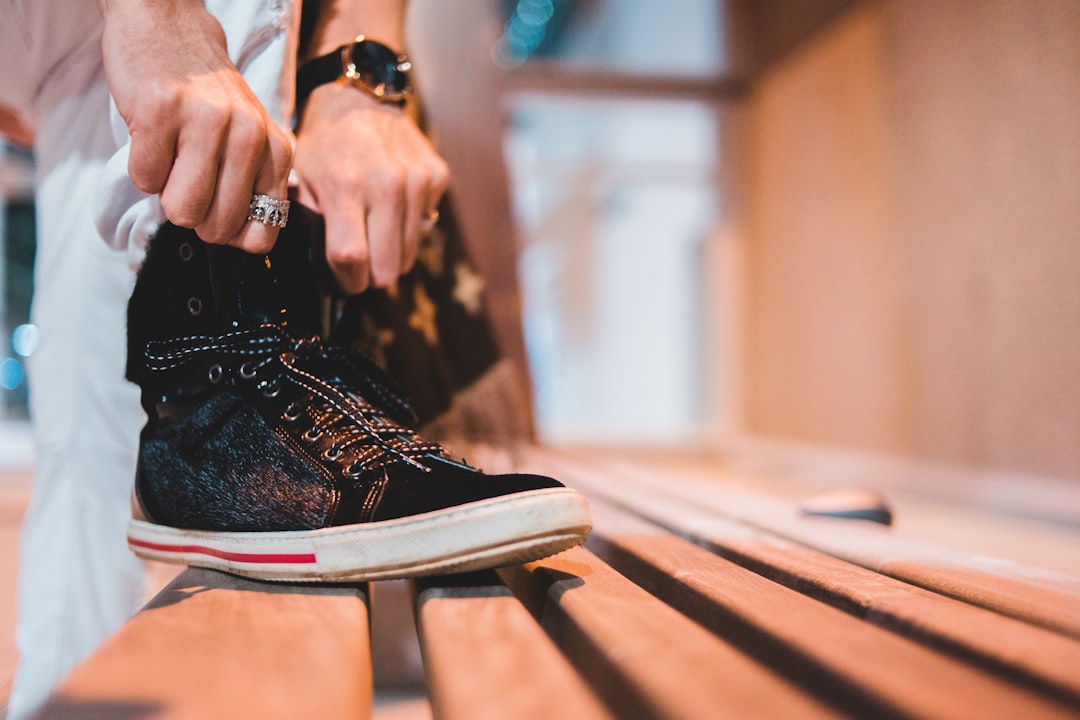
x: 279, y: 288
x: 188, y: 288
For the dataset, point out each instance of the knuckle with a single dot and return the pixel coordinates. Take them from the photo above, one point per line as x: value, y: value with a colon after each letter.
x: 210, y: 231
x: 390, y: 185
x: 145, y: 178
x: 349, y: 181
x: 416, y: 180
x: 182, y: 213
x: 281, y: 161
x: 348, y: 259
x: 248, y: 134
x: 440, y: 171
x: 282, y: 153
x: 441, y: 179
x: 229, y: 231
x: 159, y: 103
x: 281, y: 148
x: 211, y: 235
x: 214, y: 113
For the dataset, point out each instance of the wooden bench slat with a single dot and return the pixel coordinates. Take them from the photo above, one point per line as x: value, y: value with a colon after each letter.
x: 865, y: 670
x: 1006, y: 646
x: 759, y: 612
x: 1036, y: 596
x: 644, y: 658
x: 212, y: 645
x: 485, y: 656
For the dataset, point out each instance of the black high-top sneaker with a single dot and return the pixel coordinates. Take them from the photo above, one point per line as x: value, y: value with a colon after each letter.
x: 270, y: 455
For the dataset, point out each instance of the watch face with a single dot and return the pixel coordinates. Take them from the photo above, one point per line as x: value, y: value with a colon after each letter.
x: 379, y: 69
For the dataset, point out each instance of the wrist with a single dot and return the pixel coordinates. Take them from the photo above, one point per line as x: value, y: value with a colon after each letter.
x: 338, y: 100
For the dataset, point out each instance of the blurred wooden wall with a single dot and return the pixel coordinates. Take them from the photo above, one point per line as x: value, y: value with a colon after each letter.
x: 905, y: 243
x: 911, y: 221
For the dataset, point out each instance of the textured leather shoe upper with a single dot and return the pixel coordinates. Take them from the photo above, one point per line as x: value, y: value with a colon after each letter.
x: 254, y: 424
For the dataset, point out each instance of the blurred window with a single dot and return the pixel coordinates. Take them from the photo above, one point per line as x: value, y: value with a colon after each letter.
x: 614, y: 194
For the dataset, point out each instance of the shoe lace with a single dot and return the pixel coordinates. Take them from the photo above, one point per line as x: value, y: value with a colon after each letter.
x: 377, y: 433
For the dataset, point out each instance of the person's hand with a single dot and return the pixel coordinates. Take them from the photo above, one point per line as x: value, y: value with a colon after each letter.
x: 199, y: 136
x: 375, y: 178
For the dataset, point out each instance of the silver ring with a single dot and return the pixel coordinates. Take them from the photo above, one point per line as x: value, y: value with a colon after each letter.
x: 428, y: 222
x: 268, y: 210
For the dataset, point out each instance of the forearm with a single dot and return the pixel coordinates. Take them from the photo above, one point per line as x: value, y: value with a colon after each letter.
x: 140, y: 34
x: 164, y: 12
x: 340, y: 21
x: 109, y: 5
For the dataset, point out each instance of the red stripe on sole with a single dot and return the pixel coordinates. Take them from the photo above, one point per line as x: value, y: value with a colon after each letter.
x: 268, y: 558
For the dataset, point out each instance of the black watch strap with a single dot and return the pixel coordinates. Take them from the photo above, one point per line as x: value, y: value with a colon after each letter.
x: 387, y: 69
x: 315, y: 72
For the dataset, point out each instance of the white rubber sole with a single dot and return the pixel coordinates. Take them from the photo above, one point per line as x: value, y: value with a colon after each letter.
x: 502, y: 531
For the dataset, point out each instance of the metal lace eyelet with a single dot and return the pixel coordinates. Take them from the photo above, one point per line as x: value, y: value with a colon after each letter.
x: 247, y: 370
x: 186, y: 251
x: 270, y: 388
x: 293, y: 413
x: 353, y: 471
x: 312, y: 433
x: 194, y: 306
x: 333, y: 452
x: 215, y: 373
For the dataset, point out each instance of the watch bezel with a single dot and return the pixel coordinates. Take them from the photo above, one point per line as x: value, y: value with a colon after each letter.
x: 367, y: 79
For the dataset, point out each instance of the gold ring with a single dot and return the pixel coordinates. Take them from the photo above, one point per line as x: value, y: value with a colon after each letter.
x: 428, y: 222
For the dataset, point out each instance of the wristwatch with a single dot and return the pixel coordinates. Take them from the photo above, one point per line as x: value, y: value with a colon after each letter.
x: 366, y: 64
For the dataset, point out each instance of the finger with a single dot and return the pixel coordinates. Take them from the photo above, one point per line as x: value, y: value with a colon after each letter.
x: 245, y: 150
x: 306, y: 196
x: 347, y: 247
x: 438, y: 180
x: 272, y: 179
x: 386, y: 224
x: 153, y: 146
x: 414, y: 219
x: 192, y: 181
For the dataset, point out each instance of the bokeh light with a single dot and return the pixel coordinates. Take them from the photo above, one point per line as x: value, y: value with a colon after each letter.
x: 11, y: 373
x: 24, y: 339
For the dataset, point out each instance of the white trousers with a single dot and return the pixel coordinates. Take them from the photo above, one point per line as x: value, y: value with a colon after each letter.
x: 77, y: 580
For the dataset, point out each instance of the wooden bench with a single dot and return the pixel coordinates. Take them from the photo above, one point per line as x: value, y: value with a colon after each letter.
x: 692, y: 599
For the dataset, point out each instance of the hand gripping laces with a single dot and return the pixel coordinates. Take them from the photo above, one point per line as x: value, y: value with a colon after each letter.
x: 376, y: 432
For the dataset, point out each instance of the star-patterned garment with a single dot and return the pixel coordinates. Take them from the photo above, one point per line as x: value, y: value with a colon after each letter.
x: 430, y: 331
